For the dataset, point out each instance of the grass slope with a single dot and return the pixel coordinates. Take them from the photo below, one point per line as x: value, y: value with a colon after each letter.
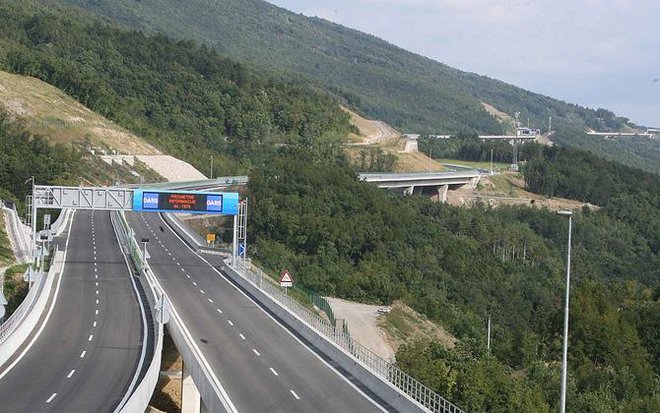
x: 49, y: 112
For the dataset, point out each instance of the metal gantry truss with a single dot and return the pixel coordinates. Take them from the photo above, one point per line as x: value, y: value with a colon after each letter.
x: 73, y: 197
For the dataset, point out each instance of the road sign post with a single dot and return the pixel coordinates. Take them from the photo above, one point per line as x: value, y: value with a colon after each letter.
x: 286, y: 281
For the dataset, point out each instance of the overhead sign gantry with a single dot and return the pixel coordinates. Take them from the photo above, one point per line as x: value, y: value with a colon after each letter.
x: 143, y: 200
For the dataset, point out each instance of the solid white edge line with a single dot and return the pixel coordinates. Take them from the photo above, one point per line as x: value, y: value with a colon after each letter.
x: 226, y: 278
x: 50, y: 310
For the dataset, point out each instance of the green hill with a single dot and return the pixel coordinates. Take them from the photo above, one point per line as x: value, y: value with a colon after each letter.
x: 411, y: 92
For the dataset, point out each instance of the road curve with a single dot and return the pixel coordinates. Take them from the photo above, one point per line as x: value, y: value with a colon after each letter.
x: 87, y: 355
x: 262, y: 366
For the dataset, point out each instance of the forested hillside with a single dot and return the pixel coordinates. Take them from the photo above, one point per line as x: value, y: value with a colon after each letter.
x: 183, y: 98
x: 412, y: 93
x: 343, y: 237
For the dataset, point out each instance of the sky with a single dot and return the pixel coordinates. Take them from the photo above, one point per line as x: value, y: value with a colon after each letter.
x: 596, y: 53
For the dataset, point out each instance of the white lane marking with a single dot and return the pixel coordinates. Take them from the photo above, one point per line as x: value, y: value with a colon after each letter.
x: 91, y: 336
x: 50, y: 399
x: 188, y: 276
x: 173, y: 258
x: 97, y: 284
x: 254, y: 350
x: 94, y: 324
x: 220, y: 311
x: 194, y: 283
x: 230, y: 323
x: 97, y: 292
x: 182, y: 270
x: 70, y: 374
x: 202, y: 291
x: 82, y: 355
x: 210, y: 301
x: 96, y: 276
x: 97, y: 301
x: 96, y: 269
x: 273, y: 371
x: 97, y: 312
x: 242, y: 336
x: 178, y: 263
x: 295, y: 395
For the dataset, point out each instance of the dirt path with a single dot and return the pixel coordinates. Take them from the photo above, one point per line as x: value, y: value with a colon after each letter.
x: 362, y: 320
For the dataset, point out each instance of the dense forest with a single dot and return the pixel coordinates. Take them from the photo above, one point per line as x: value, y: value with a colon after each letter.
x: 183, y: 98
x: 346, y: 238
x: 409, y: 91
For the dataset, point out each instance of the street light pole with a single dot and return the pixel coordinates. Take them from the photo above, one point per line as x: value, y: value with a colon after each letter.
x: 211, y: 166
x: 564, y: 362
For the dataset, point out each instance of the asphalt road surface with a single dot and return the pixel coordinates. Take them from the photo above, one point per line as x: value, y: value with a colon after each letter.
x: 86, y: 357
x: 262, y: 366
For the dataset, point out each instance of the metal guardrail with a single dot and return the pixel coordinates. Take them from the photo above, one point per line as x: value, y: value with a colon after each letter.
x: 17, y: 316
x: 431, y: 400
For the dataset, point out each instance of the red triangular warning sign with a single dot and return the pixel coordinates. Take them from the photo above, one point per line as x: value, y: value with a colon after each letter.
x: 285, y: 277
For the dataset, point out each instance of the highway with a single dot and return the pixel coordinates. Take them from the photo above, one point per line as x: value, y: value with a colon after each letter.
x: 261, y: 365
x: 86, y: 356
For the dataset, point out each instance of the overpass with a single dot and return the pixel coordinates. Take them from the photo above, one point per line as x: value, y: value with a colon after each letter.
x: 432, y: 183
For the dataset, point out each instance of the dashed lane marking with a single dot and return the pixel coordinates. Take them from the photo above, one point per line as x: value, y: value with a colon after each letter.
x: 50, y: 399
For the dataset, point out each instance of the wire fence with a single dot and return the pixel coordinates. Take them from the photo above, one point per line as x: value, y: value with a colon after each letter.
x: 340, y: 337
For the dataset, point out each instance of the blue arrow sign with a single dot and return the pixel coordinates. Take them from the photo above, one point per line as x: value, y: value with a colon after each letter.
x: 241, y: 250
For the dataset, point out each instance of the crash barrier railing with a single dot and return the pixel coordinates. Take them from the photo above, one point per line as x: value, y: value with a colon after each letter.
x: 420, y: 393
x: 16, y: 329
x: 59, y: 225
x: 20, y: 233
x: 139, y: 399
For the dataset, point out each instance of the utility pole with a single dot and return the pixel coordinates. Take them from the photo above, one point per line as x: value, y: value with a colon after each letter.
x: 564, y: 361
x: 491, y: 161
x: 488, y: 336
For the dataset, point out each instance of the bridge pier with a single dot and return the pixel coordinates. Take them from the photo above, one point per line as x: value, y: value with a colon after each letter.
x: 191, y: 400
x: 442, y: 193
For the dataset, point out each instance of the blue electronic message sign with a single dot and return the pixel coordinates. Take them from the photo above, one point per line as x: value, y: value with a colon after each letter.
x: 225, y: 203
